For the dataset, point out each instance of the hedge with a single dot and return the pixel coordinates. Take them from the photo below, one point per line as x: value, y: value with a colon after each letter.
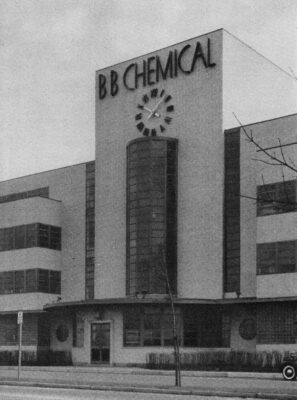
x: 44, y: 357
x: 219, y: 360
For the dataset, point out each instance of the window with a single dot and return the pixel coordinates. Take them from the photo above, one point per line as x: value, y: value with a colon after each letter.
x: 206, y: 327
x: 90, y: 230
x: 275, y: 323
x: 30, y: 280
x: 40, y: 192
x: 276, y: 198
x: 276, y: 258
x: 151, y: 214
x: 149, y: 327
x: 32, y: 235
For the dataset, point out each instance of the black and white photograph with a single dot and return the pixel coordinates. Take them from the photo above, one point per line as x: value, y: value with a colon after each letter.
x: 148, y: 199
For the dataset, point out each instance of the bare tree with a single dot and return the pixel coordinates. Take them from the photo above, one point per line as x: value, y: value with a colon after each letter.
x: 274, y: 156
x: 164, y: 271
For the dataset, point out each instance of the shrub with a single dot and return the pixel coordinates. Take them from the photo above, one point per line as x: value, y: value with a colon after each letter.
x: 42, y: 357
x: 219, y: 360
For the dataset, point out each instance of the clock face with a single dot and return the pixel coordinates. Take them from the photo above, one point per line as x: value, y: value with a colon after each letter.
x: 154, y: 112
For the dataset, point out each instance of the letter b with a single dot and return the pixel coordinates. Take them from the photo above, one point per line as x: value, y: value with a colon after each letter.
x: 102, y: 86
x: 114, y: 87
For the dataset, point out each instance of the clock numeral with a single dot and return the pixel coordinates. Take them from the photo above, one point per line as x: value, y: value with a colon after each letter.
x: 145, y: 98
x: 167, y: 120
x: 138, y: 116
x: 146, y: 132
x: 167, y: 98
x: 162, y: 93
x: 140, y: 106
x: 140, y: 126
x: 154, y: 93
x: 153, y: 132
x: 170, y: 108
x: 162, y: 129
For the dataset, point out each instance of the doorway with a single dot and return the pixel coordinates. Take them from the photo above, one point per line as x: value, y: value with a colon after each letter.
x: 100, y: 342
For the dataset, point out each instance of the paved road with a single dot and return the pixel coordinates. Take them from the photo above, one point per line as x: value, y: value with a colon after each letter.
x: 17, y: 393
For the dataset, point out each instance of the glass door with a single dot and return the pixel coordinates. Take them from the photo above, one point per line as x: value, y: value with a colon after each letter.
x: 100, y: 342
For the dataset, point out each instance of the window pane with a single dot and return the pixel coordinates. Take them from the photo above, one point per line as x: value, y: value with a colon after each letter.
x: 55, y: 238
x: 43, y: 281
x: 266, y: 258
x: 8, y: 238
x: 286, y: 256
x: 31, y: 235
x: 55, y: 282
x: 19, y: 281
x: 132, y: 328
x: 31, y: 280
x: 43, y: 235
x: 8, y: 282
x: 152, y: 330
x: 20, y: 237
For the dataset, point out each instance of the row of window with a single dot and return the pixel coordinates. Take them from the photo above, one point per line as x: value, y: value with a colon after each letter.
x: 154, y: 327
x: 32, y: 235
x: 207, y: 327
x: 30, y: 280
x: 40, y: 192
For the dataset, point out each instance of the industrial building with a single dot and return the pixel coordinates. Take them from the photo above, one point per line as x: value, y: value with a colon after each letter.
x: 182, y: 196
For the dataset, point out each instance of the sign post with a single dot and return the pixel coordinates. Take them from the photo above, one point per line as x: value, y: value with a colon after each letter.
x: 20, y: 323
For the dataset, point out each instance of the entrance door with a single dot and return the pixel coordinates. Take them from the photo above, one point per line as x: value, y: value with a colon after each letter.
x: 100, y: 342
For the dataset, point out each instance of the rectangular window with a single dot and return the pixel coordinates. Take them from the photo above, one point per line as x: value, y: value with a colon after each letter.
x: 55, y: 238
x: 19, y: 281
x: 43, y: 281
x: 132, y: 324
x: 206, y: 327
x: 32, y: 235
x: 8, y: 282
x: 276, y: 258
x: 20, y: 237
x: 276, y: 198
x: 150, y: 327
x: 31, y: 280
x: 43, y: 235
x: 54, y: 282
x: 275, y: 324
x: 41, y: 192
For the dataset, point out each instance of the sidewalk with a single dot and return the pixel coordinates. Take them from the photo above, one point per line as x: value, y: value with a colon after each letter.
x: 146, y: 381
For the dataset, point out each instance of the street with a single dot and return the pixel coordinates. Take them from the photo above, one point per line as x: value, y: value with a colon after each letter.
x: 32, y: 393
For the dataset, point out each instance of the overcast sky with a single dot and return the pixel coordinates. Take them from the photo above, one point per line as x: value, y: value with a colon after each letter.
x: 50, y: 50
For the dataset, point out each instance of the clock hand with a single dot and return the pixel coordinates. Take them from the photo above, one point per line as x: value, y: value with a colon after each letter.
x: 153, y: 112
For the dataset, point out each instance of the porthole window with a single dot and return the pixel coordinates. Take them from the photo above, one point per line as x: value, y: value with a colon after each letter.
x: 248, y: 329
x: 62, y: 333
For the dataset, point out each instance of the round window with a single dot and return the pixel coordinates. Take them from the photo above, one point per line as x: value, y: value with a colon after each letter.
x: 248, y: 329
x: 62, y: 333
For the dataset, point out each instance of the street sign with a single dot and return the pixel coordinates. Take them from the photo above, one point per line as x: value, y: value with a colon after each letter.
x: 20, y: 317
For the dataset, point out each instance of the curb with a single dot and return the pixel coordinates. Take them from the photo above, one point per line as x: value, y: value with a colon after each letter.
x: 130, y: 371
x: 153, y: 390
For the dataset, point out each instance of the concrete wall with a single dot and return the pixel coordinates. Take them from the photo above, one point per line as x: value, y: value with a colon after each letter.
x: 25, y: 301
x: 197, y: 123
x: 66, y: 185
